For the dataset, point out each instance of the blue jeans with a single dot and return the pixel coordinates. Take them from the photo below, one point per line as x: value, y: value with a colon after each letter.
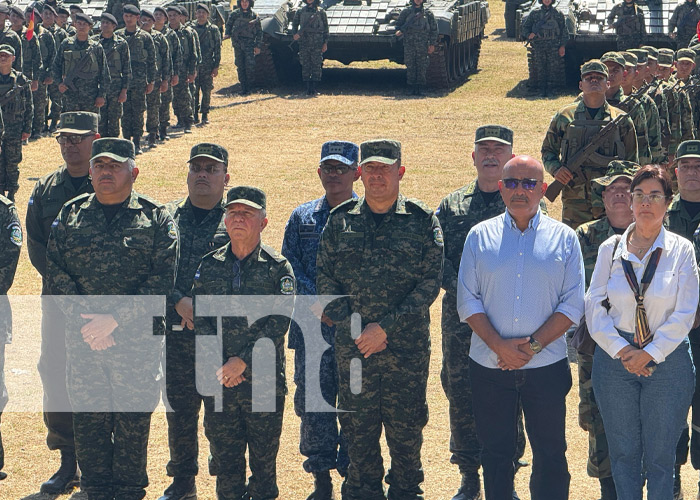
x: 643, y: 418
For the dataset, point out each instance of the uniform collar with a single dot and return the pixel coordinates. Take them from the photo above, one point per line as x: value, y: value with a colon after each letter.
x: 399, y: 206
x: 131, y: 202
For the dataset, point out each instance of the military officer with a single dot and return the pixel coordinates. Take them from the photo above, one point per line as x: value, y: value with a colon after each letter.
x: 182, y: 97
x: 163, y: 62
x: 571, y: 129
x: 116, y: 8
x: 244, y: 29
x: 683, y: 23
x: 9, y: 37
x: 112, y: 353
x: 62, y: 15
x: 627, y: 19
x: 245, y: 266
x: 48, y: 16
x: 76, y: 133
x: 417, y: 25
x: 200, y: 221
x: 161, y: 17
x: 384, y: 252
x: 321, y: 443
x: 208, y: 68
x: 310, y: 29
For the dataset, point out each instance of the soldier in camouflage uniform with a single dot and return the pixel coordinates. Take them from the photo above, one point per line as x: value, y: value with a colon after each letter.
x: 90, y: 83
x: 683, y: 23
x: 613, y: 189
x: 685, y: 67
x: 113, y: 356
x: 571, y: 129
x: 10, y: 246
x: 244, y: 29
x: 680, y: 109
x: 163, y: 63
x: 76, y: 133
x: 9, y: 37
x: 59, y: 34
x: 62, y: 15
x: 31, y: 52
x: 116, y: 51
x: 417, y: 25
x: 143, y: 74
x: 116, y: 8
x: 182, y: 98
x: 310, y: 29
x: 384, y: 251
x: 320, y: 441
x: 17, y: 113
x: 47, y: 47
x: 546, y: 31
x: 187, y: 23
x: 161, y: 17
x: 210, y: 47
x: 200, y: 221
x: 628, y: 21
x: 245, y: 266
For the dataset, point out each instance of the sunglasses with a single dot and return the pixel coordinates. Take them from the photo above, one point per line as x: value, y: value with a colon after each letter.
x: 73, y: 139
x: 527, y: 184
x: 338, y: 170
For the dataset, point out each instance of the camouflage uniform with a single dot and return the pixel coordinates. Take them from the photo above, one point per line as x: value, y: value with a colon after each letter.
x: 134, y: 254
x: 391, y: 273
x: 264, y: 272
x: 653, y: 127
x: 116, y: 8
x: 17, y: 113
x: 547, y: 23
x: 47, y: 47
x: 419, y: 30
x: 91, y: 83
x: 312, y: 21
x: 143, y: 71
x: 11, y: 244
x: 182, y: 98
x: 246, y: 35
x: 198, y: 56
x: 685, y: 18
x: 165, y: 70
x: 9, y: 37
x: 640, y: 121
x: 570, y: 130
x: 196, y: 240
x: 630, y: 26
x: 59, y: 34
x: 118, y: 59
x: 176, y: 65
x: 210, y: 44
x: 656, y: 92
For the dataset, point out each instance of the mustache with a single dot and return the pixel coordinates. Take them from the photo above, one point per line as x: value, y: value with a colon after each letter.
x: 517, y: 197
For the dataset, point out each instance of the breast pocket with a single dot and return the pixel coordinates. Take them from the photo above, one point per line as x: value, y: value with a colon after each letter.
x: 350, y: 248
x: 665, y: 284
x: 137, y: 246
x: 407, y: 252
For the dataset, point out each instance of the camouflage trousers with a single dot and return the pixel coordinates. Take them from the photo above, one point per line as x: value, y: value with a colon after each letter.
x: 56, y: 102
x: 111, y: 113
x: 204, y: 83
x: 40, y: 98
x: 134, y: 109
x: 182, y: 101
x: 153, y: 109
x: 416, y: 59
x: 577, y: 207
x: 245, y: 64
x: 164, y: 109
x: 548, y: 64
x: 10, y: 157
x: 626, y: 42
x: 81, y: 100
x: 233, y: 430
x: 393, y: 397
x: 311, y: 56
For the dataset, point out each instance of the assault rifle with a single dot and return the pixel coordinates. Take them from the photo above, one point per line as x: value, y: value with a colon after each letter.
x: 10, y: 94
x: 410, y: 22
x: 77, y: 71
x: 247, y: 29
x: 538, y: 27
x: 301, y: 31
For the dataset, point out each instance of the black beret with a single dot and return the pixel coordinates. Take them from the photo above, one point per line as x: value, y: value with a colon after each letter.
x: 145, y: 13
x: 131, y: 9
x: 183, y: 11
x: 75, y: 7
x: 17, y: 11
x: 106, y: 16
x: 81, y: 16
x: 160, y: 9
x: 203, y: 6
x: 62, y: 10
x: 173, y: 8
x: 50, y: 9
x: 4, y: 8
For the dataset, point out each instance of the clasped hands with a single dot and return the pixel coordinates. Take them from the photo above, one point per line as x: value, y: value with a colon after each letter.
x: 636, y: 360
x: 513, y: 354
x: 97, y: 333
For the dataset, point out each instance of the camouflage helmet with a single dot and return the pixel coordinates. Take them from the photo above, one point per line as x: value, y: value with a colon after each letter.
x: 251, y: 2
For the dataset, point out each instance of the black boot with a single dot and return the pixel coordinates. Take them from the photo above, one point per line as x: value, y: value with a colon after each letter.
x: 66, y: 478
x: 543, y: 91
x: 419, y: 90
x: 180, y: 124
x: 205, y: 118
x: 411, y: 89
x: 308, y: 87
x: 182, y: 488
x: 53, y: 126
x: 196, y: 118
x: 151, y: 139
x: 244, y: 88
x: 607, y: 489
x: 470, y: 488
x: 188, y: 127
x: 323, y: 487
x: 163, y: 132
x: 677, y: 492
x: 137, y: 144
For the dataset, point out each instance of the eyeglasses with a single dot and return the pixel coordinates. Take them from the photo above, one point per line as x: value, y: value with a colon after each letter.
x: 338, y: 170
x: 653, y: 198
x: 210, y: 169
x: 73, y: 139
x: 527, y: 184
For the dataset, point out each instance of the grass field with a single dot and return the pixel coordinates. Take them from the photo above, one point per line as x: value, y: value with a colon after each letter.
x: 274, y: 141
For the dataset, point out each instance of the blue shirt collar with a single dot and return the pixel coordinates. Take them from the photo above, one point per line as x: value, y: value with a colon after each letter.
x: 534, y: 221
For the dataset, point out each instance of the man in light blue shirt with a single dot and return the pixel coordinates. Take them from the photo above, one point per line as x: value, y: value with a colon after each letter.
x: 520, y: 287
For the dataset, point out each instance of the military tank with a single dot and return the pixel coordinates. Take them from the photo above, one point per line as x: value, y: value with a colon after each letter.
x: 589, y: 34
x: 364, y: 30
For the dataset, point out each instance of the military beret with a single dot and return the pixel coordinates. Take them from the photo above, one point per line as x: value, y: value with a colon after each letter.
x: 4, y: 8
x: 75, y: 7
x: 203, y: 6
x: 380, y: 150
x: 594, y: 66
x: 62, y: 10
x: 209, y: 150
x: 173, y: 8
x: 614, y: 57
x: 184, y: 12
x: 665, y: 59
x: 688, y: 149
x: 7, y: 48
x: 685, y: 55
x: 106, y: 16
x: 343, y: 151
x: 630, y: 59
x: 77, y: 122
x: 111, y: 147
x: 131, y: 9
x: 50, y: 9
x: 494, y: 133
x: 642, y: 55
x: 161, y: 10
x: 145, y: 13
x: 80, y: 16
x: 247, y: 195
x: 16, y: 10
x: 652, y: 52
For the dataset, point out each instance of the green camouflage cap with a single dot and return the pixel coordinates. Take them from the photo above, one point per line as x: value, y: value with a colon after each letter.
x: 594, y: 66
x: 209, y: 150
x: 688, y: 149
x: 381, y: 150
x: 77, y: 122
x: 685, y: 55
x: 117, y: 149
x: 665, y: 59
x: 630, y: 59
x: 652, y: 52
x: 7, y: 48
x: 616, y: 169
x: 642, y: 55
x: 497, y: 133
x: 247, y: 195
x: 614, y: 57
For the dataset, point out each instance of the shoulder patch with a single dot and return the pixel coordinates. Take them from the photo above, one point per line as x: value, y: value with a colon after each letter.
x: 31, y: 201
x: 197, y: 274
x: 437, y: 236
x: 15, y: 233
x: 287, y: 285
x: 172, y: 230
x: 55, y: 222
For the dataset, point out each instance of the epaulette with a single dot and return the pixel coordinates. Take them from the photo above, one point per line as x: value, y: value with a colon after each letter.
x: 219, y: 254
x: 274, y: 254
x: 79, y: 199
x: 346, y: 205
x: 420, y: 204
x: 149, y: 200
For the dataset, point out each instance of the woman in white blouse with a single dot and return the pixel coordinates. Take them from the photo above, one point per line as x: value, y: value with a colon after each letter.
x: 644, y: 394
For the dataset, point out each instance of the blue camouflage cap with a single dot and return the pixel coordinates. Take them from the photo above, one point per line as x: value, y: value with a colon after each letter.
x: 343, y: 151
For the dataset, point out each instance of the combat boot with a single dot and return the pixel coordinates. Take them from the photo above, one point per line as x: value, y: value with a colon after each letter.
x: 53, y: 126
x: 470, y: 489
x: 137, y: 145
x: 323, y: 487
x: 188, y: 127
x: 151, y: 139
x: 205, y: 118
x: 677, y: 492
x: 308, y: 87
x: 66, y: 478
x: 182, y: 488
x: 245, y: 90
x: 180, y: 124
x: 164, y: 133
x: 607, y: 489
x: 196, y: 118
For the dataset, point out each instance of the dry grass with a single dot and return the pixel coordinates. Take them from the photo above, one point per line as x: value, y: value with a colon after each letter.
x: 274, y: 141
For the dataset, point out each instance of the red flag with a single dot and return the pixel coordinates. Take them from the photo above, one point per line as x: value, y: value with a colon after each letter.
x: 697, y: 30
x: 30, y: 26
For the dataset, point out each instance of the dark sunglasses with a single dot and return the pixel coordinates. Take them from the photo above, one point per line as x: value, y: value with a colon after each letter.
x: 528, y: 184
x: 338, y: 170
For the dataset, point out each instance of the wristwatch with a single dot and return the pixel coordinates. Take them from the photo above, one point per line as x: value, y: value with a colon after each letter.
x: 535, y: 346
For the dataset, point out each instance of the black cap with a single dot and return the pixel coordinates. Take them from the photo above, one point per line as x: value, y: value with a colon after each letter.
x: 183, y: 11
x: 62, y: 10
x: 106, y: 16
x: 160, y: 9
x: 131, y: 9
x: 75, y: 7
x: 203, y: 6
x: 173, y: 8
x: 17, y: 11
x: 81, y: 16
x: 50, y: 9
x: 145, y: 13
